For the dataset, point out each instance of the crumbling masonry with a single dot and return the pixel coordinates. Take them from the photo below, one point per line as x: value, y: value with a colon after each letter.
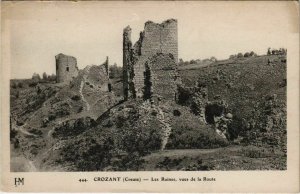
x: 150, y: 65
x: 66, y: 68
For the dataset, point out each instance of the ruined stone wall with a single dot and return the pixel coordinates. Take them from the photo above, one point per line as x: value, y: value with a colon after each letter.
x: 161, y: 77
x: 66, y: 68
x: 98, y: 78
x: 128, y: 73
x: 156, y: 38
x: 160, y: 38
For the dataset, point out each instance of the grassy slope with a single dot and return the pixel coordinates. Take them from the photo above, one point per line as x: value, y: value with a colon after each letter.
x: 229, y: 158
x: 32, y: 105
x: 241, y: 83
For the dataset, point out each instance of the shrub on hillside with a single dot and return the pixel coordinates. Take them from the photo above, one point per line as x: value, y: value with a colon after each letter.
x: 236, y: 127
x: 189, y: 133
x: 89, y: 154
x: 115, y: 71
x: 120, y: 144
x: 247, y: 54
x: 269, y: 124
x: 33, y: 84
x: 75, y: 98
x: 36, y: 77
x: 240, y: 55
x: 253, y: 54
x: 73, y: 127
x: 139, y: 130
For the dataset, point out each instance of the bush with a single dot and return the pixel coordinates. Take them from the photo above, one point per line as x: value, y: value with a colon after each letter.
x: 247, y: 54
x: 20, y: 85
x: 232, y: 56
x: 13, y: 133
x: 235, y: 127
x: 74, y: 127
x: 80, y: 109
x: 132, y: 161
x: 255, y: 152
x: 45, y: 77
x: 240, y: 55
x: 36, y: 77
x: 188, y: 133
x: 140, y: 137
x: 115, y: 71
x: 75, y: 98
x: 95, y: 156
x: 17, y: 94
x: 33, y: 84
x: 253, y: 54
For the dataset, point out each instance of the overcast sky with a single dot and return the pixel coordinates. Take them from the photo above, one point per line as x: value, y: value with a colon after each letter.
x: 90, y: 31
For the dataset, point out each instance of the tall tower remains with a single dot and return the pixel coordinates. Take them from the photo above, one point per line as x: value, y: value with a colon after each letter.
x: 66, y: 68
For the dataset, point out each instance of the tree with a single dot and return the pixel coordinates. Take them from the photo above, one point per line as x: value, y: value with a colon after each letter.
x: 53, y: 77
x: 192, y: 61
x: 232, y: 56
x: 282, y: 51
x: 181, y: 62
x: 240, y: 55
x: 269, y: 51
x: 246, y: 54
x: 36, y: 77
x: 198, y: 61
x: 115, y: 71
x: 214, y: 59
x: 45, y: 77
x: 253, y: 54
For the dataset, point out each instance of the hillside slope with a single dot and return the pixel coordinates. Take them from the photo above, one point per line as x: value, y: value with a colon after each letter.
x: 242, y: 83
x: 84, y: 126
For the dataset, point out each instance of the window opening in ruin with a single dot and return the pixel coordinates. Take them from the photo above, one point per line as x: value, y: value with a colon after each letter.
x: 67, y: 69
x: 56, y: 66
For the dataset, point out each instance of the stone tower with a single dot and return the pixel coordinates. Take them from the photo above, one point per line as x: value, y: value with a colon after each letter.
x: 66, y: 68
x: 155, y: 39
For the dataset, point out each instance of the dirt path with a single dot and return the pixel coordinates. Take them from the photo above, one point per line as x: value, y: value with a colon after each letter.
x: 189, y: 152
x: 22, y: 129
x: 50, y: 133
x: 32, y: 167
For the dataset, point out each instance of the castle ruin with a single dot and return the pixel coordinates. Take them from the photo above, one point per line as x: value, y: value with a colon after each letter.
x: 150, y: 65
x: 66, y: 68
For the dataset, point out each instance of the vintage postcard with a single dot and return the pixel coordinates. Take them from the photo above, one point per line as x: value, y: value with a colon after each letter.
x: 133, y: 96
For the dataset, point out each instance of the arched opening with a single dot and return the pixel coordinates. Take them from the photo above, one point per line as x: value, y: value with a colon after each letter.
x: 212, y: 111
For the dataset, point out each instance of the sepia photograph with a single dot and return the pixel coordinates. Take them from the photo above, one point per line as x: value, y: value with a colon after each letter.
x: 144, y: 86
